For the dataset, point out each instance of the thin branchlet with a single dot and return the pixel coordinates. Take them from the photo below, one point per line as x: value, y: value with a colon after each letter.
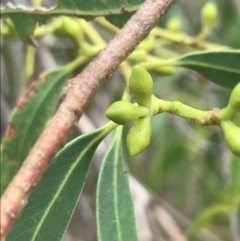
x: 80, y: 91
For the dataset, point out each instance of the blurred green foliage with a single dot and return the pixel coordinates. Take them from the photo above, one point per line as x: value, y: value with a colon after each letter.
x: 187, y: 165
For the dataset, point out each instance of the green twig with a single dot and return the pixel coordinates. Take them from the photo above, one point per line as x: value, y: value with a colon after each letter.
x: 81, y: 90
x: 29, y: 64
x: 92, y: 34
x: 184, y: 39
x: 204, y: 118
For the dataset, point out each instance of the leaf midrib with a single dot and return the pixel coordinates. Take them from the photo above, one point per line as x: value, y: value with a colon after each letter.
x: 209, y: 66
x: 116, y: 163
x: 95, y: 140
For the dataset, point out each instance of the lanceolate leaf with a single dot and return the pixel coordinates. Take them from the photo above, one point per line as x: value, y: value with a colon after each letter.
x: 51, y: 205
x: 220, y: 67
x: 28, y: 120
x: 115, y: 213
x: 25, y: 19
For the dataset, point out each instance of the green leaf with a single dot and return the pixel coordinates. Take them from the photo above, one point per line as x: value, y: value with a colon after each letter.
x: 26, y: 19
x: 99, y: 7
x: 28, y: 121
x: 51, y: 205
x: 221, y: 67
x: 119, y: 19
x: 115, y: 212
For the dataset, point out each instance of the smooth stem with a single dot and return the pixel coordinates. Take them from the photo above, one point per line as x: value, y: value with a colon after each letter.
x: 29, y: 64
x: 84, y: 87
x: 126, y: 94
x: 76, y: 63
x: 47, y: 29
x: 180, y: 109
x: 110, y: 126
x: 226, y: 113
x: 184, y: 39
x: 103, y: 22
x: 89, y: 50
x: 125, y: 70
x: 205, y: 31
x: 92, y: 34
x: 155, y: 62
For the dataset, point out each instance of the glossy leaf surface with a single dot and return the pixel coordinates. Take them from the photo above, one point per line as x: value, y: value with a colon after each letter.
x: 221, y: 67
x: 25, y: 19
x: 115, y: 213
x: 51, y: 205
x: 28, y: 120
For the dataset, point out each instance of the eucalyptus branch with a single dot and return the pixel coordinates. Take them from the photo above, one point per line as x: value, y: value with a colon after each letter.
x: 140, y: 85
x: 204, y: 118
x: 80, y: 91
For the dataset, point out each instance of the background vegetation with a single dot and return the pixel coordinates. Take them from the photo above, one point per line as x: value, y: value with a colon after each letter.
x: 185, y: 183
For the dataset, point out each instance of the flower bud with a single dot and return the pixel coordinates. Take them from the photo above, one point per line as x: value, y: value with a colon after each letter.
x: 123, y: 112
x: 234, y: 101
x: 139, y: 136
x: 140, y: 84
x: 174, y: 24
x: 233, y: 106
x: 209, y: 14
x: 232, y: 136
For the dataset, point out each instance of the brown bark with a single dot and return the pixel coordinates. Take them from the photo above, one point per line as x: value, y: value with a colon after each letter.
x: 80, y: 91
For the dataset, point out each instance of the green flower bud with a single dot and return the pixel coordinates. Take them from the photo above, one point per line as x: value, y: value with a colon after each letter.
x: 123, y: 112
x: 233, y: 106
x: 232, y: 136
x: 139, y: 136
x: 174, y: 24
x: 140, y: 84
x: 209, y: 14
x: 234, y: 101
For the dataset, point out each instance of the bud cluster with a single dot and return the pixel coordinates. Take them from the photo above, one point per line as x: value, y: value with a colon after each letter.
x: 122, y: 112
